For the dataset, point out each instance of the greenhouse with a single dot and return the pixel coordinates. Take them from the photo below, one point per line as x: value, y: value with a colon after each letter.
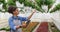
x: 43, y: 15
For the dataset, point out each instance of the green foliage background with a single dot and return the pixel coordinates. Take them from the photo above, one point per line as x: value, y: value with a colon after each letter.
x: 37, y: 4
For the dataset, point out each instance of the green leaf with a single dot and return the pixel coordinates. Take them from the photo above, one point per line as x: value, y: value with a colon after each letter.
x: 56, y: 8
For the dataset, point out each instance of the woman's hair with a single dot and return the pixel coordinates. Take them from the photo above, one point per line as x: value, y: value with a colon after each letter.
x: 11, y: 9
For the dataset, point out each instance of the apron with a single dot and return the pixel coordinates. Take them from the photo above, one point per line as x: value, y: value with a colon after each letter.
x: 17, y: 22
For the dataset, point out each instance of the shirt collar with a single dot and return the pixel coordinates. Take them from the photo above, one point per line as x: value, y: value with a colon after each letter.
x: 14, y: 17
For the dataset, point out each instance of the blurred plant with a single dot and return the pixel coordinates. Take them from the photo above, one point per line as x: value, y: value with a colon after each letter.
x: 11, y: 2
x: 34, y: 4
x: 4, y: 4
x: 57, y: 8
x: 38, y: 3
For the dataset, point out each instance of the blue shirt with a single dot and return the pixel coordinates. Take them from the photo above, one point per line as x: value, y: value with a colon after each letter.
x: 12, y: 25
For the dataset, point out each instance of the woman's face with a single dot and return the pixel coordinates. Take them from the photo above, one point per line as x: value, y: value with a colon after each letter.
x: 16, y: 12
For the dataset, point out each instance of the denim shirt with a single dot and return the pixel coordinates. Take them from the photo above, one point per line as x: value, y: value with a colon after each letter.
x: 12, y: 24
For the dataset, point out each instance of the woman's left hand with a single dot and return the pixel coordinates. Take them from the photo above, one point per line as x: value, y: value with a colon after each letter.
x: 34, y: 10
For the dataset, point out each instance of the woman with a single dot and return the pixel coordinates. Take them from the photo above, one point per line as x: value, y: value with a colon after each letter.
x: 15, y: 22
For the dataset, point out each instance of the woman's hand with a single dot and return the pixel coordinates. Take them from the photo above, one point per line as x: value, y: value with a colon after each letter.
x: 17, y: 27
x: 24, y: 25
x: 34, y: 10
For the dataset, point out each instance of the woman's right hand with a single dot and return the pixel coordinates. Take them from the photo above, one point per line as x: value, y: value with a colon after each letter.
x: 23, y: 25
x: 17, y: 27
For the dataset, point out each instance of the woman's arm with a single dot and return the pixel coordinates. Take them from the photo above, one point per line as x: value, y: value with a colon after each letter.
x: 32, y: 14
x: 11, y: 24
x: 27, y: 18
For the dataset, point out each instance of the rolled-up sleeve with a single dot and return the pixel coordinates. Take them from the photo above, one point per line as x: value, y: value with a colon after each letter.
x: 23, y: 18
x: 11, y: 24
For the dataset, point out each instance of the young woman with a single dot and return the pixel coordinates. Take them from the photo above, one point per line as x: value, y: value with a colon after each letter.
x: 15, y: 21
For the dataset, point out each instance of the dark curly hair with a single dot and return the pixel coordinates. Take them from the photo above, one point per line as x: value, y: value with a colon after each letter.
x: 11, y: 9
